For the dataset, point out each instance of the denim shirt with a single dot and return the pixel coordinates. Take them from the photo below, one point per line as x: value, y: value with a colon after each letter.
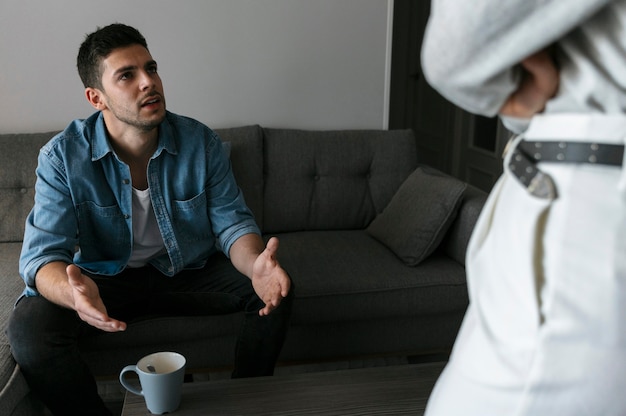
x: 83, y: 199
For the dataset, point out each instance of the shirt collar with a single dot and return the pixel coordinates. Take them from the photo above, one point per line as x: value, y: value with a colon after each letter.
x: 96, y: 133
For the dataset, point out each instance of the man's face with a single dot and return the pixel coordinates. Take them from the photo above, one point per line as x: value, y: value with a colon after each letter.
x: 132, y: 91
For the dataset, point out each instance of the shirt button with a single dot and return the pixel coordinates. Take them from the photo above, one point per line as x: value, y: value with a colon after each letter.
x: 126, y: 181
x: 126, y: 216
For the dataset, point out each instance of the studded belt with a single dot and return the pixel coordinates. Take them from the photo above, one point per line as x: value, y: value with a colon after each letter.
x: 528, y: 153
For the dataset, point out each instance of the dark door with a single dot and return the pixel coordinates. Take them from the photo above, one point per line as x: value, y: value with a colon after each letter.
x: 448, y: 138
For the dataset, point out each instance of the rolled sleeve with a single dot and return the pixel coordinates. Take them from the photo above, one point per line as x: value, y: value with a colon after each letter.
x: 228, y: 238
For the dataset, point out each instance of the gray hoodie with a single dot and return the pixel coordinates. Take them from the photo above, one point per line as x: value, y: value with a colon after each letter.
x: 471, y: 50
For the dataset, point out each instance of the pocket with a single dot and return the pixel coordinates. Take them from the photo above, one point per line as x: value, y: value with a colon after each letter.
x: 102, y: 231
x: 101, y: 224
x: 505, y: 268
x: 587, y: 268
x: 191, y: 218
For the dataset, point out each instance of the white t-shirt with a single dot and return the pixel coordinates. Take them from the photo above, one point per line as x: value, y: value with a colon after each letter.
x: 147, y: 240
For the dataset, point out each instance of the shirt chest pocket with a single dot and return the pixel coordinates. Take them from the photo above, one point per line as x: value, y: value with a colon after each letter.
x: 101, y: 229
x: 191, y: 218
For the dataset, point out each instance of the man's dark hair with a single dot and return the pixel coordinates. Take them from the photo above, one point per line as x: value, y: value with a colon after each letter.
x: 98, y: 45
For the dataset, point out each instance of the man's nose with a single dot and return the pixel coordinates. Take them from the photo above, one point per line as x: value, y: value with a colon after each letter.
x: 146, y: 82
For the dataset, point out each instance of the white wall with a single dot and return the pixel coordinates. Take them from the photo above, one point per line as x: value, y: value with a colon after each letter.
x: 279, y: 63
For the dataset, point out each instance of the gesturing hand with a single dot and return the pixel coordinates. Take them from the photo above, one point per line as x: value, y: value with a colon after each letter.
x: 539, y: 83
x: 88, y: 303
x: 270, y: 282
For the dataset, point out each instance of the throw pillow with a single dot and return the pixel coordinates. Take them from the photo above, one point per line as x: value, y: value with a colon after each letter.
x: 418, y: 215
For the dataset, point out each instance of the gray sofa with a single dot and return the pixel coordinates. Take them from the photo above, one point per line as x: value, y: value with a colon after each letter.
x: 349, y: 207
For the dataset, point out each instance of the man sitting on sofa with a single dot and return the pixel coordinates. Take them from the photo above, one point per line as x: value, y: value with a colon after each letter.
x: 161, y: 227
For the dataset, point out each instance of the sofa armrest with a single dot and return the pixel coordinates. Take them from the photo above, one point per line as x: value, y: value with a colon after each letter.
x: 457, y: 238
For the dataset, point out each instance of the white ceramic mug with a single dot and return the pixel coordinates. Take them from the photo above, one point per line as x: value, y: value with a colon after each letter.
x: 161, y: 376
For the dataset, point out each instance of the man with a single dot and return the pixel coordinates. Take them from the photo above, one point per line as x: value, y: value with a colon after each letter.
x: 149, y: 199
x: 544, y: 332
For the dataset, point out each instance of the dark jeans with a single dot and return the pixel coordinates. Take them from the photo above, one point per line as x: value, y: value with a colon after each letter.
x: 44, y: 337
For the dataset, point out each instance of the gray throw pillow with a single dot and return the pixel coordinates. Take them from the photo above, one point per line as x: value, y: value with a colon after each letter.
x: 418, y: 215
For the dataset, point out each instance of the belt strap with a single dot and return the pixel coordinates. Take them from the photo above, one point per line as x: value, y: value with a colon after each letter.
x: 574, y: 152
x: 527, y: 153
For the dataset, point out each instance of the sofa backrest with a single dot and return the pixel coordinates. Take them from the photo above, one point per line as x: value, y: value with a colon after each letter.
x: 18, y: 160
x: 328, y: 180
x: 292, y: 179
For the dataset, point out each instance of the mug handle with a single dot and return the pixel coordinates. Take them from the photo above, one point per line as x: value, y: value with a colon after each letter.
x: 127, y: 386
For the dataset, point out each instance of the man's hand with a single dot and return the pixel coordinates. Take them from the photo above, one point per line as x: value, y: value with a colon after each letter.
x: 270, y: 282
x: 540, y: 82
x: 88, y: 303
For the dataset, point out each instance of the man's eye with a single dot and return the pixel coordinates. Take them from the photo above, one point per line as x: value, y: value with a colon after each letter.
x: 125, y: 76
x: 152, y: 70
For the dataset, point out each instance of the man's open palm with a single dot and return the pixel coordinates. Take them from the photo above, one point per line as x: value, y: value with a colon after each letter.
x: 88, y: 303
x: 269, y: 280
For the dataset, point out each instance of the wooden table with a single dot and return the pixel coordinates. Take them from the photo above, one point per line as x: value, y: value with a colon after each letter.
x: 392, y: 390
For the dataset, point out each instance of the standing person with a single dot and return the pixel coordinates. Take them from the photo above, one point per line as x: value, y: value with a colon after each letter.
x: 161, y: 227
x: 545, y: 331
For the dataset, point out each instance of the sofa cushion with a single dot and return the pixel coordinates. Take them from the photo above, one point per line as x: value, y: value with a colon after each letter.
x: 246, y: 156
x: 14, y: 391
x: 348, y: 276
x: 418, y: 216
x: 11, y: 285
x: 330, y: 180
x: 13, y: 388
x: 18, y: 160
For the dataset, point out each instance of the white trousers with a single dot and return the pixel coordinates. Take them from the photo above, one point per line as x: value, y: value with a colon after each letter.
x: 545, y: 331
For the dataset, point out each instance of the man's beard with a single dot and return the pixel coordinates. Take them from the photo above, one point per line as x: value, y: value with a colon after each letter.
x: 132, y: 119
x: 145, y: 126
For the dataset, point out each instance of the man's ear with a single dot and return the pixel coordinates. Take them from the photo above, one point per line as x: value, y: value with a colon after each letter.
x: 95, y: 98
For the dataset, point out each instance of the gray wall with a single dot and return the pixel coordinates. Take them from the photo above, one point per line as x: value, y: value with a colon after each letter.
x: 279, y: 63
